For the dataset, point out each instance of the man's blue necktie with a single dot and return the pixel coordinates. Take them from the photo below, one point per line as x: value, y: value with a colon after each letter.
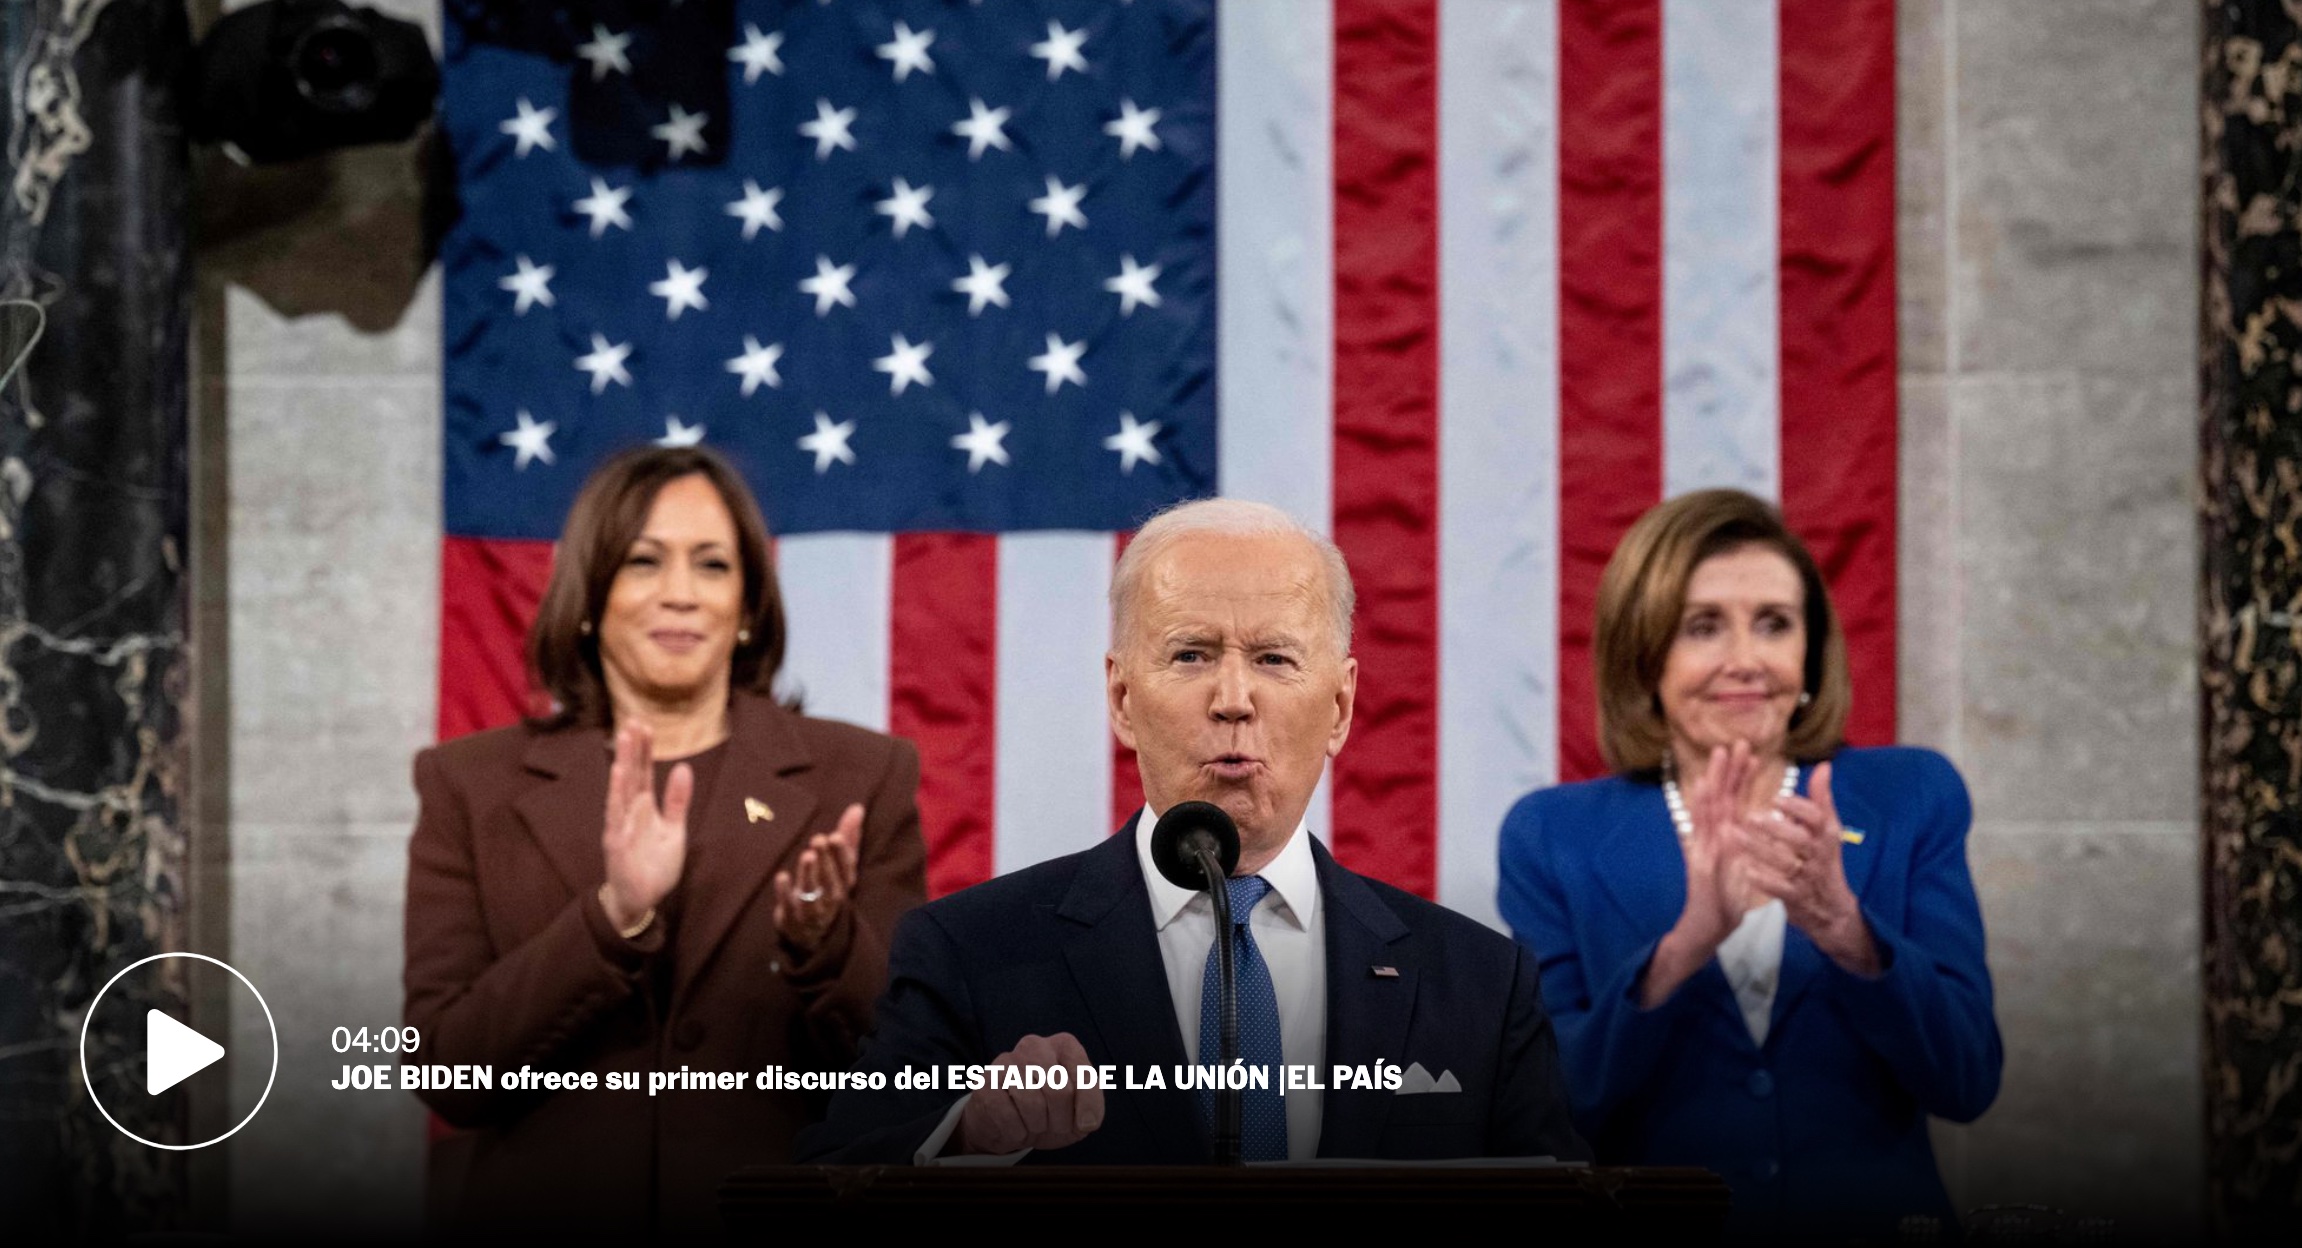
x: 1263, y: 1117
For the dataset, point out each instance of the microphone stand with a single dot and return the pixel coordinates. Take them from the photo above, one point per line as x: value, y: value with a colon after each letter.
x: 1229, y: 1101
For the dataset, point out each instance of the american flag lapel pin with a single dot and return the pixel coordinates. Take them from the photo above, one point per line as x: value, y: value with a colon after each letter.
x: 757, y: 811
x: 1385, y: 972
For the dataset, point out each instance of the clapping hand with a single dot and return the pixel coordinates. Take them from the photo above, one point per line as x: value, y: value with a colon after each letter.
x: 810, y: 896
x: 1719, y: 886
x: 1793, y: 853
x: 645, y: 845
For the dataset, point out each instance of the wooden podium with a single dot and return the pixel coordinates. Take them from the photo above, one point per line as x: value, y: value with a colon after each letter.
x: 1552, y: 1203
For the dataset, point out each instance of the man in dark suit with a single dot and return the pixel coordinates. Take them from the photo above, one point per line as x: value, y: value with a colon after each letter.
x: 1230, y: 675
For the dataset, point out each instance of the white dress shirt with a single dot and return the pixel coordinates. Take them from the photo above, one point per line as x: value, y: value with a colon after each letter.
x: 1290, y: 930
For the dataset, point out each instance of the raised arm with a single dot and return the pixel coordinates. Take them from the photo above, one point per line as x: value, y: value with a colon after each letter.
x: 840, y: 978
x: 1929, y: 1012
x: 1608, y: 1044
x: 476, y: 1004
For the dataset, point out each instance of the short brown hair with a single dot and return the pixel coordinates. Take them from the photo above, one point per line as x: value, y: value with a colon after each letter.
x: 608, y: 516
x: 1642, y: 594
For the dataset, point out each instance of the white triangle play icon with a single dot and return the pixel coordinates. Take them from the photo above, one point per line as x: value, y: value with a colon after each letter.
x: 173, y: 1052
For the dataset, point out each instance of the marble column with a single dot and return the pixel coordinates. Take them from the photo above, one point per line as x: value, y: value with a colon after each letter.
x: 2251, y: 625
x: 93, y: 659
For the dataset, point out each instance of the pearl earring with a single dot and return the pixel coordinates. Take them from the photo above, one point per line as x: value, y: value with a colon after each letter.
x: 1805, y: 699
x: 743, y: 636
x: 584, y: 627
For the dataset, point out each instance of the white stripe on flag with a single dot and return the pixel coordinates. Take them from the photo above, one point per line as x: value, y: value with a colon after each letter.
x: 1276, y: 264
x: 1719, y: 246
x: 1052, y: 785
x: 835, y: 595
x: 1499, y: 421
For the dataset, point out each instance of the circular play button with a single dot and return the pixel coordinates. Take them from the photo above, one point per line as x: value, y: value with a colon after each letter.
x: 144, y: 1068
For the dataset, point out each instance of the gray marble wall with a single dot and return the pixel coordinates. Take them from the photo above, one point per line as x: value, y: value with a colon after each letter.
x: 2049, y: 298
x: 2048, y: 157
x: 319, y: 396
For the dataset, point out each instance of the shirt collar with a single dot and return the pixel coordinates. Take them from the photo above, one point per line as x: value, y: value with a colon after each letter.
x: 1293, y: 877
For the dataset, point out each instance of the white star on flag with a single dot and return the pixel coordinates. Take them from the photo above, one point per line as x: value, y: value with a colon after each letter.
x: 532, y: 440
x: 1133, y: 129
x: 908, y: 51
x: 1061, y: 50
x: 677, y: 434
x: 531, y: 285
x: 757, y: 54
x: 829, y: 285
x: 1061, y: 363
x: 605, y: 363
x: 531, y: 129
x: 757, y: 208
x: 605, y: 207
x: 984, y: 283
x: 907, y: 206
x: 829, y: 442
x: 1060, y: 205
x: 904, y: 364
x: 605, y: 52
x: 984, y: 127
x: 757, y: 364
x: 681, y: 288
x: 683, y: 133
x: 1133, y: 442
x: 982, y: 442
x: 829, y: 129
x: 1133, y: 285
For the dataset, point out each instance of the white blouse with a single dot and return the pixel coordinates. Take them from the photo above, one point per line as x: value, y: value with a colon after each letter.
x: 1751, y: 956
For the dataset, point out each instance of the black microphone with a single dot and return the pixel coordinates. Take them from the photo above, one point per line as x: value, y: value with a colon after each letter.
x: 1196, y: 846
x: 1186, y: 833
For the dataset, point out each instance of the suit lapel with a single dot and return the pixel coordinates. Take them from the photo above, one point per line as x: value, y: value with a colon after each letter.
x: 1643, y: 871
x: 766, y: 762
x: 1367, y: 1014
x: 1639, y: 864
x: 565, y: 815
x: 1801, y: 961
x: 1112, y: 947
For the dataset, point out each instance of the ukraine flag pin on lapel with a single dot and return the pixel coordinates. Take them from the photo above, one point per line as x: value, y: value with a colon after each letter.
x: 1852, y: 836
x: 756, y: 811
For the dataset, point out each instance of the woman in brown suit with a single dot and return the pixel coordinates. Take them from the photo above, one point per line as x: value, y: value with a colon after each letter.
x: 668, y: 871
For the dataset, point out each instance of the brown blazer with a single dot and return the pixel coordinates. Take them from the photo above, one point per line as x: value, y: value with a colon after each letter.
x: 511, y: 962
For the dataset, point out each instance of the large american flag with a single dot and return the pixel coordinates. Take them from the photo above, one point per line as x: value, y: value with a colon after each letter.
x: 967, y: 290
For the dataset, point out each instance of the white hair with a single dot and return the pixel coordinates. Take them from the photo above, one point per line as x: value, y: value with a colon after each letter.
x: 1224, y: 517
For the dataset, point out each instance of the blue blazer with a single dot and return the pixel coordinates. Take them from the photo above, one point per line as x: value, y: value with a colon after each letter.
x: 1828, y: 1120
x: 1069, y: 945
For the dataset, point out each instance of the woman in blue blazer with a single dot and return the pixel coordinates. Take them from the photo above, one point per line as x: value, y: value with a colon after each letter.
x: 1761, y: 950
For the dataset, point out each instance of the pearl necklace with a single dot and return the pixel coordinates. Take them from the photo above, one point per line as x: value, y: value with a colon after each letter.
x: 1684, y: 822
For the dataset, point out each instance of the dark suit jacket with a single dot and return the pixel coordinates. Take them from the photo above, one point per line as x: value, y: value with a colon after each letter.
x: 1068, y: 945
x: 511, y: 962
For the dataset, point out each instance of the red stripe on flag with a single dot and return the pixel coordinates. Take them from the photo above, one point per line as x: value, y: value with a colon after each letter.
x: 1838, y: 324
x: 1386, y: 452
x: 1126, y: 781
x: 1610, y: 322
x: 942, y: 690
x: 489, y: 591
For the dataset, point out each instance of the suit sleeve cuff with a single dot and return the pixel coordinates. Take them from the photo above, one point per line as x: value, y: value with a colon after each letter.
x: 931, y: 1149
x: 1882, y: 943
x: 626, y: 957
x: 821, y: 966
x: 1634, y: 985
